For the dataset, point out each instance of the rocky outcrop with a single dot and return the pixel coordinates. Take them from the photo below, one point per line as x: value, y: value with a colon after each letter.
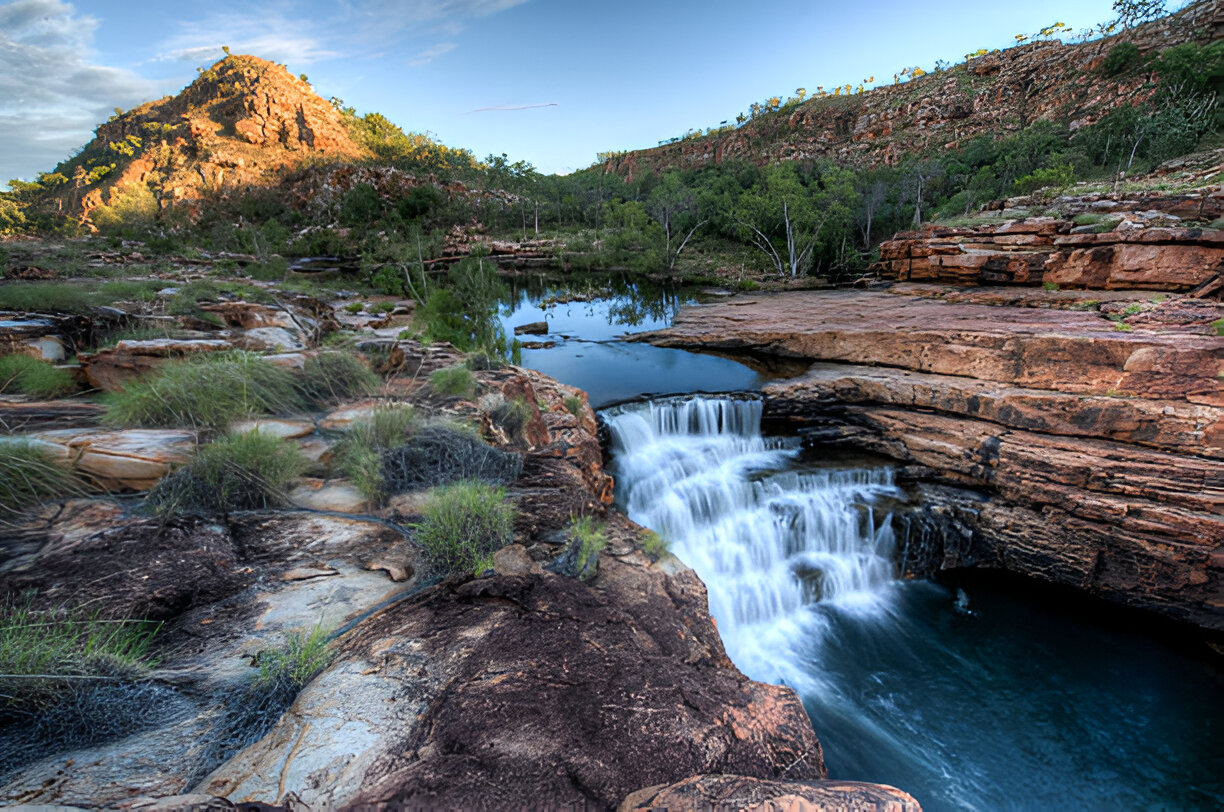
x: 524, y: 687
x: 240, y: 120
x: 1045, y: 251
x: 998, y: 92
x: 1090, y: 456
x: 120, y: 460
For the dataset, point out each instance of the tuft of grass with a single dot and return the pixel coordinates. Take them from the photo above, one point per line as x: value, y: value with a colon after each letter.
x: 44, y: 655
x: 1049, y: 285
x: 1122, y: 327
x: 334, y: 376
x: 464, y: 524
x: 747, y: 285
x: 354, y: 307
x: 296, y: 662
x: 247, y: 471
x: 573, y: 405
x: 1219, y: 327
x: 28, y: 475
x: 254, y: 709
x: 591, y: 540
x: 26, y: 375
x: 359, y: 454
x: 654, y: 545
x: 209, y: 391
x: 513, y: 416
x: 456, y: 381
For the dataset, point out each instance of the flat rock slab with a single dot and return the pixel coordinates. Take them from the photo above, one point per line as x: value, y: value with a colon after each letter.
x: 124, y: 460
x: 1067, y: 351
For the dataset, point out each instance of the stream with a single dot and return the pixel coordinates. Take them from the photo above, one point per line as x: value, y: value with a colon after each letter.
x: 982, y: 695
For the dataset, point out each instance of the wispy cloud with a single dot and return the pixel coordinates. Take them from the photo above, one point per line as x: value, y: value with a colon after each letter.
x: 293, y: 42
x: 430, y: 54
x: 508, y: 107
x: 383, y: 20
x: 51, y: 94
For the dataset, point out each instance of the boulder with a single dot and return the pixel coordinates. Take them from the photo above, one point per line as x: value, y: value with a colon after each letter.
x: 122, y: 460
x: 760, y: 795
x: 110, y: 368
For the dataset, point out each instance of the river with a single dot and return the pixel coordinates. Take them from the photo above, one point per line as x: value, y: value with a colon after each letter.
x: 979, y: 694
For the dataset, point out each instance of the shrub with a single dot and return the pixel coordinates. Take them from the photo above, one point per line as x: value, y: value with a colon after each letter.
x: 573, y: 405
x: 1122, y: 57
x: 29, y: 474
x: 207, y: 392
x: 439, y: 454
x: 1054, y: 176
x: 72, y: 679
x: 590, y: 540
x: 513, y: 416
x: 333, y: 376
x: 359, y: 454
x: 40, y: 652
x: 464, y: 524
x: 237, y: 472
x: 654, y: 545
x: 456, y: 381
x: 360, y: 205
x: 1049, y: 285
x: 31, y: 376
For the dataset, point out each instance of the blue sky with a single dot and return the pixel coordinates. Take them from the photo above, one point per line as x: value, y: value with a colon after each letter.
x: 587, y: 76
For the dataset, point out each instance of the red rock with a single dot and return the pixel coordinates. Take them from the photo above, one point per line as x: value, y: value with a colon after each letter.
x: 717, y: 792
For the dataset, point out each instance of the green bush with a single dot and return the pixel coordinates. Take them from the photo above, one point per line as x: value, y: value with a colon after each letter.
x: 574, y: 405
x: 25, y: 375
x: 29, y: 474
x: 248, y: 471
x: 359, y: 454
x: 513, y: 416
x: 1122, y: 57
x: 1054, y: 176
x: 463, y: 525
x: 591, y: 540
x: 654, y: 545
x: 334, y: 376
x: 43, y: 654
x: 456, y: 381
x: 209, y: 391
x: 360, y: 205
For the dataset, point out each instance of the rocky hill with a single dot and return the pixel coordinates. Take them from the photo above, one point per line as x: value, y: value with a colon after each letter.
x: 998, y: 92
x: 238, y: 121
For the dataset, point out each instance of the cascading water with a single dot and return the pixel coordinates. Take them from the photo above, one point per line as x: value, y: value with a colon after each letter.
x: 1002, y: 704
x: 777, y: 548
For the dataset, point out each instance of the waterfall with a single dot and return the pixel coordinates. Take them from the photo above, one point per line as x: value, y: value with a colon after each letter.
x: 778, y: 547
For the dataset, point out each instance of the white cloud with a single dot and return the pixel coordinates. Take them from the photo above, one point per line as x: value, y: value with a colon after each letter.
x: 51, y: 95
x: 430, y: 54
x: 510, y: 107
x: 275, y: 38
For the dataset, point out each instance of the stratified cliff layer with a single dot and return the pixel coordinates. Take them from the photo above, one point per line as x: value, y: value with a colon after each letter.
x: 1077, y: 449
x: 1000, y: 92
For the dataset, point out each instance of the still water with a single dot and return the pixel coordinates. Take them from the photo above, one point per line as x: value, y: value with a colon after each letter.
x: 980, y: 697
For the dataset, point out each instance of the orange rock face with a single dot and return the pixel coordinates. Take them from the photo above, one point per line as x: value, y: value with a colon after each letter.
x: 1074, y: 452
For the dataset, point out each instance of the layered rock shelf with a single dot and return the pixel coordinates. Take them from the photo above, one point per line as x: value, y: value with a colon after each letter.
x: 1044, y: 251
x: 1062, y: 445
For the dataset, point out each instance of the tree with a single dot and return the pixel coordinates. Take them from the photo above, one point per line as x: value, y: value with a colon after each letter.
x: 788, y: 219
x: 674, y: 207
x: 1133, y: 12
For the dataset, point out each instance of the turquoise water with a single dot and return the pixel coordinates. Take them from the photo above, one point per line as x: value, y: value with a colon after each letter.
x: 983, y: 695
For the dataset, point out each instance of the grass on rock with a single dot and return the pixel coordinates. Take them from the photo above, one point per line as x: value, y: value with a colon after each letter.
x: 456, y: 381
x: 29, y: 473
x: 464, y: 524
x: 249, y: 471
x: 359, y: 454
x: 25, y: 375
x: 330, y: 377
x: 209, y: 391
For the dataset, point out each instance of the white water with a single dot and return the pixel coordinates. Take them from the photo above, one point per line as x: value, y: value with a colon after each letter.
x: 777, y: 549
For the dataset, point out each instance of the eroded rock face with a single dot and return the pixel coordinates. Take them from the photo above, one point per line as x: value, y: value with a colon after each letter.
x: 1044, y: 251
x: 556, y: 693
x: 1092, y: 457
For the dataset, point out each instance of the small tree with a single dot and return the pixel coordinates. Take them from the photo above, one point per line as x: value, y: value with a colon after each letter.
x: 1134, y: 12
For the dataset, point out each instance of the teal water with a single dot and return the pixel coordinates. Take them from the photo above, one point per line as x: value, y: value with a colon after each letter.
x: 983, y: 695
